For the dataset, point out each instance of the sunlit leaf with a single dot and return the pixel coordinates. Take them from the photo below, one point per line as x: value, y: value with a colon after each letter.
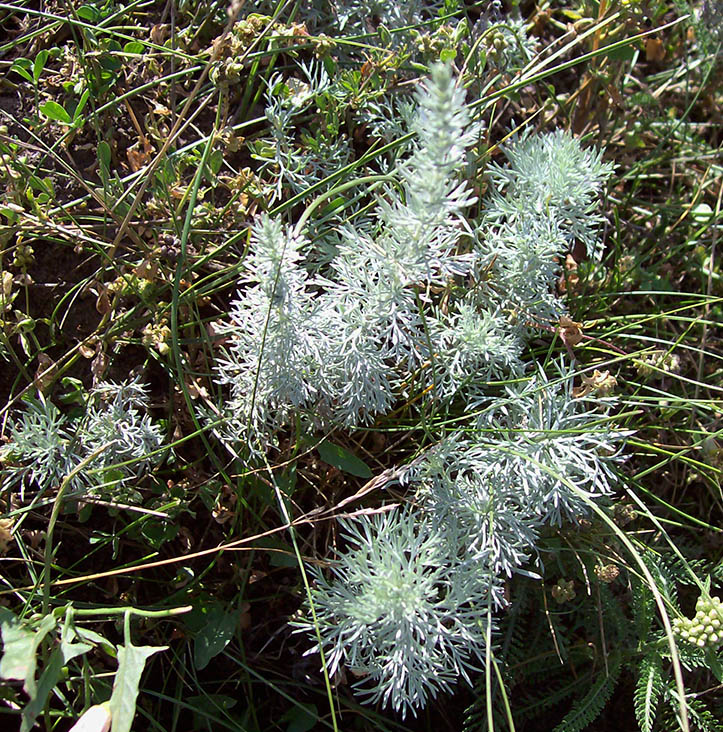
x: 131, y: 662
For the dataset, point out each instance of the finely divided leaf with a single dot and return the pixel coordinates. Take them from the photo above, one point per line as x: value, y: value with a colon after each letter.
x: 587, y: 709
x: 647, y: 691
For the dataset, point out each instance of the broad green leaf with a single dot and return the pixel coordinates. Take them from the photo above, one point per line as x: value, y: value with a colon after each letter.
x: 131, y: 662
x: 85, y: 634
x: 624, y: 53
x: 287, y: 480
x: 21, y: 67
x: 94, y: 719
x: 88, y: 13
x: 337, y: 204
x: 39, y: 64
x: 52, y: 110
x: 75, y: 394
x: 158, y: 532
x: 47, y: 624
x: 48, y: 679
x: 714, y: 664
x: 18, y: 650
x: 111, y: 63
x: 210, y: 708
x: 134, y: 47
x: 341, y: 458
x: 215, y: 160
x: 280, y: 553
x: 385, y: 37
x: 301, y: 718
x: 20, y: 647
x: 68, y: 646
x: 215, y: 634
x: 52, y: 672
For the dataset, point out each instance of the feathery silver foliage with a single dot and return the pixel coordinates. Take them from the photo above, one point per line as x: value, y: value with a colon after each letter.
x: 114, y: 439
x: 401, y: 611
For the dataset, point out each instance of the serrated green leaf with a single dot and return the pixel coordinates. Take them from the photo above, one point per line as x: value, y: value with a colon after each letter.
x: 131, y: 662
x: 341, y: 458
x: 215, y: 634
x: 52, y: 110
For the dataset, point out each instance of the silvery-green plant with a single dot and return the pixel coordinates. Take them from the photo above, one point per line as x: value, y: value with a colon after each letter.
x: 506, y: 43
x: 529, y: 459
x: 389, y: 117
x: 297, y: 164
x: 339, y: 346
x: 553, y: 447
x: 111, y: 443
x: 708, y: 24
x: 543, y: 201
x: 493, y: 522
x: 40, y: 448
x: 526, y: 460
x: 358, y: 16
x: 273, y: 357
x: 421, y: 297
x: 472, y: 344
x: 401, y: 611
x: 117, y: 427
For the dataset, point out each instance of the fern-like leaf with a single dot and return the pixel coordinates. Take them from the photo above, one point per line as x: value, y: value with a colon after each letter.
x: 585, y: 711
x: 701, y: 717
x: 648, y: 689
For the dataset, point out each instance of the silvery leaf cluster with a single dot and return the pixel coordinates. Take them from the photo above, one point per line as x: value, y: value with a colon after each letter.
x: 113, y: 441
x: 543, y: 201
x: 422, y: 302
x: 407, y: 615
